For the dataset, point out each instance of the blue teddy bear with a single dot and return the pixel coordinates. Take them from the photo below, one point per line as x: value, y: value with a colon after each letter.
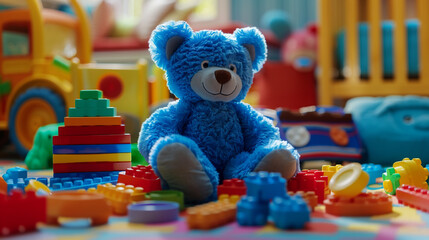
x: 208, y: 134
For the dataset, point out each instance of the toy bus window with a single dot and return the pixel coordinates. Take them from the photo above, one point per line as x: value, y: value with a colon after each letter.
x: 59, y: 40
x: 15, y: 39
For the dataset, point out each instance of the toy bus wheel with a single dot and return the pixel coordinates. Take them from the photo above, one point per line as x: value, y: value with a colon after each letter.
x: 34, y: 108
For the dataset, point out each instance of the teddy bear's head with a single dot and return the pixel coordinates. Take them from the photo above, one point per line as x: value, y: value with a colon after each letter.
x: 208, y: 65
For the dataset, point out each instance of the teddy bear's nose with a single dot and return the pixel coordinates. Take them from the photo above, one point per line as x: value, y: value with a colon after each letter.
x: 222, y: 76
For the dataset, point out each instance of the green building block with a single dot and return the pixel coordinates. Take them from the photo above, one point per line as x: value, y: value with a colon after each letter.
x: 40, y: 155
x: 92, y: 112
x: 167, y: 195
x: 136, y: 156
x: 90, y: 94
x: 5, y: 88
x: 391, y: 180
x: 92, y: 103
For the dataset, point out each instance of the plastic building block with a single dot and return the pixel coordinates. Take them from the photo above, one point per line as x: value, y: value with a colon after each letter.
x: 169, y: 196
x: 91, y: 167
x: 365, y: 204
x: 90, y: 94
x: 141, y: 176
x: 251, y: 212
x: 113, y: 174
x: 92, y: 112
x: 20, y: 213
x: 92, y: 149
x: 92, y: 158
x: 92, y: 139
x: 231, y: 198
x: 374, y: 171
x: 413, y: 197
x: 15, y: 178
x: 92, y: 121
x: 91, y: 130
x: 329, y: 170
x: 120, y: 196
x: 309, y: 197
x: 73, y: 204
x: 232, y: 187
x: 310, y: 180
x: 349, y: 181
x: 92, y: 103
x: 153, y: 212
x: 265, y: 186
x: 38, y: 187
x: 289, y: 212
x: 408, y: 172
x: 65, y: 183
x: 211, y: 215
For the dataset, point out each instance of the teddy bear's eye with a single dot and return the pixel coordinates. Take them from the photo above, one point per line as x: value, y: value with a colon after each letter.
x: 232, y: 67
x: 204, y: 64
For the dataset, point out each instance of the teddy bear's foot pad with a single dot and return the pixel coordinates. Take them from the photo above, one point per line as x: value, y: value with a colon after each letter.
x: 279, y: 160
x: 182, y: 171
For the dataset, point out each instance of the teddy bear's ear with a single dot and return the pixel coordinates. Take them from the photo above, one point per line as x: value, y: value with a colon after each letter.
x: 166, y: 39
x: 253, y: 40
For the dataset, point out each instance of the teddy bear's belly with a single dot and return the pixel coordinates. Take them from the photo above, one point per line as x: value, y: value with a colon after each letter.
x: 217, y: 132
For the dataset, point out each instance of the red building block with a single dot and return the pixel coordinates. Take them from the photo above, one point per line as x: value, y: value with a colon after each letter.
x: 92, y: 139
x: 413, y: 197
x: 365, y: 204
x: 141, y: 176
x: 310, y: 180
x: 90, y: 130
x: 231, y: 187
x: 20, y: 213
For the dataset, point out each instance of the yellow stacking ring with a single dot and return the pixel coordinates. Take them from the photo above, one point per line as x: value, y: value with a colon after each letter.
x: 349, y: 181
x: 34, y: 185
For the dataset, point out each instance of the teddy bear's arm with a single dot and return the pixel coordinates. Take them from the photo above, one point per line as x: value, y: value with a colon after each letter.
x: 163, y: 122
x: 257, y: 129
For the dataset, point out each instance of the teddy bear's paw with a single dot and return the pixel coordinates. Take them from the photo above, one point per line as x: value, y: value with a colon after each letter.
x: 279, y: 160
x: 182, y: 171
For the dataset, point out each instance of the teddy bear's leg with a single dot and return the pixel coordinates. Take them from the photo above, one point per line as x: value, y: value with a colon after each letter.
x: 181, y: 165
x: 278, y: 156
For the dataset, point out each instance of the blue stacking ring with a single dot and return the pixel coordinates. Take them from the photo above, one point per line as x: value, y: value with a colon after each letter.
x: 153, y: 212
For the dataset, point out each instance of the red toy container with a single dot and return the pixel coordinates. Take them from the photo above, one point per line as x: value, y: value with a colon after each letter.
x: 281, y: 85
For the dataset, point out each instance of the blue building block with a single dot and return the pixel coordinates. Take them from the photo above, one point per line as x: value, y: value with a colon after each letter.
x: 289, y: 212
x: 15, y: 178
x: 86, y: 174
x: 91, y: 149
x: 61, y: 184
x: 251, y: 212
x: 374, y: 171
x: 264, y: 186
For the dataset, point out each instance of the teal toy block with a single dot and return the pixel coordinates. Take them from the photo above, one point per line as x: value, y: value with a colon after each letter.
x: 92, y: 103
x: 391, y: 181
x: 90, y: 94
x: 92, y: 112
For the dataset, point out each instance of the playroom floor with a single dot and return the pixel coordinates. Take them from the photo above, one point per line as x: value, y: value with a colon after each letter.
x: 403, y: 223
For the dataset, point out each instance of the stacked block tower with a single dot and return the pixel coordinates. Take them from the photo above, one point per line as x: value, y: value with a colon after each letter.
x: 92, y: 140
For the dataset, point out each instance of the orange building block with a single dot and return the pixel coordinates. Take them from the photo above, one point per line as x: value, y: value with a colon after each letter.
x: 120, y: 196
x: 74, y: 204
x: 211, y: 215
x: 310, y: 197
x: 92, y: 121
x: 365, y: 204
x: 3, y: 185
x: 414, y: 197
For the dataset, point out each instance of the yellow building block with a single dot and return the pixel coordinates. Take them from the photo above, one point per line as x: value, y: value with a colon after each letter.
x: 231, y: 198
x: 329, y: 170
x: 80, y: 158
x: 412, y: 172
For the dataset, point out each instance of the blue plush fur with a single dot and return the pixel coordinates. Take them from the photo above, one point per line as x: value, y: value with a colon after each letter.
x: 228, y: 138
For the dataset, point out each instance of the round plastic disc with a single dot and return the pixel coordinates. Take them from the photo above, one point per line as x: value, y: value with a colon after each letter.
x: 349, y: 181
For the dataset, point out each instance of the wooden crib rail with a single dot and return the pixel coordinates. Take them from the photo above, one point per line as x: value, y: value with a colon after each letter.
x: 352, y: 85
